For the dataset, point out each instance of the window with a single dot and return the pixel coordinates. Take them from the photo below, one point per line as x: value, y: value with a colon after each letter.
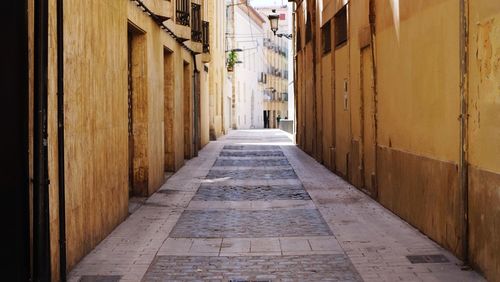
x: 298, y: 40
x: 326, y: 38
x: 341, y: 26
x: 308, y: 28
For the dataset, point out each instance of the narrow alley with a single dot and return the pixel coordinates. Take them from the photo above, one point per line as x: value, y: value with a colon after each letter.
x: 253, y: 207
x: 250, y: 140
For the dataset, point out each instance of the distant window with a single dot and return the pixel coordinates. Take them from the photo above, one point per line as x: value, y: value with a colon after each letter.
x: 298, y: 40
x: 308, y: 28
x: 326, y: 38
x: 341, y: 26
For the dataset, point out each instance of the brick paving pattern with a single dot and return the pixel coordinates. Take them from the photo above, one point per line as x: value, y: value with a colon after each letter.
x: 210, y: 192
x: 258, y: 268
x: 253, y: 174
x: 262, y: 213
x: 251, y: 162
x: 254, y: 153
x: 250, y: 224
x: 100, y: 278
x: 251, y: 147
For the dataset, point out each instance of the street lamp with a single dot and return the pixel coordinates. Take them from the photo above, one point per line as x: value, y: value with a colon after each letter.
x: 273, y: 20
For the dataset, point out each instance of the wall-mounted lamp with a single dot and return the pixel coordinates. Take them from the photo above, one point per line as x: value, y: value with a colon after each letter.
x: 273, y: 20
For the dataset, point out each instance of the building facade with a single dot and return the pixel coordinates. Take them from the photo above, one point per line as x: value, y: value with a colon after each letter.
x: 217, y: 68
x: 129, y: 92
x: 245, y: 42
x: 275, y: 76
x: 401, y: 98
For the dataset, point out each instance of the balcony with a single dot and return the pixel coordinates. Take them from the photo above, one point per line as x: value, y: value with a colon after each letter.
x: 182, y: 23
x: 162, y: 9
x: 182, y: 12
x: 196, y: 24
x: 196, y: 32
x: 206, y: 37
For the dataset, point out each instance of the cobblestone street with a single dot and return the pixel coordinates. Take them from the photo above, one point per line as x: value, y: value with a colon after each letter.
x: 253, y: 207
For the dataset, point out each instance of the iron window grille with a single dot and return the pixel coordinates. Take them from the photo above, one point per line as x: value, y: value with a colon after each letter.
x: 196, y: 24
x: 182, y: 12
x: 206, y: 37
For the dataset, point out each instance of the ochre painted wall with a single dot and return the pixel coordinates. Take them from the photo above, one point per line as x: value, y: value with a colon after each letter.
x: 95, y: 122
x: 96, y: 116
x: 484, y: 136
x: 400, y: 141
x: 417, y: 113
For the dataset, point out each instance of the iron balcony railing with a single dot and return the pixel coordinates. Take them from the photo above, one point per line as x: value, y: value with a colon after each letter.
x: 206, y: 37
x: 182, y: 12
x: 196, y: 25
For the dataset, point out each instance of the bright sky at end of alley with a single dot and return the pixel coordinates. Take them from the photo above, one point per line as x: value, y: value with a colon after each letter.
x: 268, y: 3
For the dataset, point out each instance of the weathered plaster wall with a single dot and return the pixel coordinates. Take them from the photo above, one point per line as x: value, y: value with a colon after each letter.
x: 96, y: 122
x: 484, y: 136
x: 217, y: 70
x: 412, y: 119
x: 418, y: 108
x: 96, y: 118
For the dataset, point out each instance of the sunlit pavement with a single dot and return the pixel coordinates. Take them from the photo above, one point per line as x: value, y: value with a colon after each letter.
x: 253, y: 207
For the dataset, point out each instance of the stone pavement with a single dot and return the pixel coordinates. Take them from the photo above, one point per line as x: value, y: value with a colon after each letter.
x: 253, y: 207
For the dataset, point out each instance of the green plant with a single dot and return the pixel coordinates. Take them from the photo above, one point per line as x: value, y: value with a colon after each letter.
x: 232, y: 58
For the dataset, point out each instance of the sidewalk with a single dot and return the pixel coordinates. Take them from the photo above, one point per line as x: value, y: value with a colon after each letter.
x: 253, y: 207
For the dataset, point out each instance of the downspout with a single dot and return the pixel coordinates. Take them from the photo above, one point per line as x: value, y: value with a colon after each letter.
x: 372, y: 17
x: 41, y: 219
x: 315, y: 153
x: 464, y: 181
x: 60, y: 140
x: 294, y: 58
x: 196, y: 108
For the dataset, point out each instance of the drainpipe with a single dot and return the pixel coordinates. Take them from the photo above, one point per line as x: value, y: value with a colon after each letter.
x: 196, y: 107
x: 60, y: 140
x: 372, y: 17
x: 41, y: 220
x: 464, y: 181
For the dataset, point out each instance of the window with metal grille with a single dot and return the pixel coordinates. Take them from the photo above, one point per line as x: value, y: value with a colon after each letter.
x: 326, y: 38
x: 182, y: 12
x: 308, y: 28
x: 196, y: 23
x: 206, y: 37
x: 340, y: 21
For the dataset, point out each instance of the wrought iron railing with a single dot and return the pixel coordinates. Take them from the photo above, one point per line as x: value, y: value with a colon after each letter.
x: 182, y: 12
x: 196, y: 32
x: 206, y: 37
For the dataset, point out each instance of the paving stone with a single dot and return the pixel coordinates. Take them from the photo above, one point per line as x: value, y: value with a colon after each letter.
x: 253, y: 174
x: 257, y: 268
x: 100, y: 278
x: 251, y: 147
x: 250, y: 224
x: 254, y: 153
x: 367, y: 236
x: 210, y: 192
x: 251, y: 162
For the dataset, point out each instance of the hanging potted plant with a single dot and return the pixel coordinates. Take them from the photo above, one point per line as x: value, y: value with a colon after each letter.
x: 231, y: 60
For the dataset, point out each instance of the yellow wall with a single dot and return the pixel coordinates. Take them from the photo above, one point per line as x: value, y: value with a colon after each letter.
x: 217, y: 67
x: 418, y: 78
x: 96, y: 116
x: 399, y: 137
x: 484, y: 136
